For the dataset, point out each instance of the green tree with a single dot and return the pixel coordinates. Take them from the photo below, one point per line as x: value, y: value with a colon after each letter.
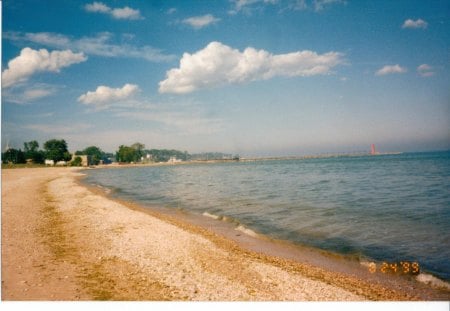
x: 139, y: 148
x: 132, y: 153
x: 31, y: 151
x: 94, y: 153
x: 31, y: 146
x: 126, y: 154
x: 13, y: 156
x: 56, y: 150
x: 76, y: 162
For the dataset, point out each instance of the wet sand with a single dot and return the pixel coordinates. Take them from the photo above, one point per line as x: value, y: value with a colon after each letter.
x: 64, y: 241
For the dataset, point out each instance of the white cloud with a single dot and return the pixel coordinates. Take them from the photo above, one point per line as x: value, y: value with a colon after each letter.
x: 34, y: 94
x: 117, y: 13
x: 99, y: 45
x: 97, y: 7
x: 425, y: 70
x: 390, y: 69
x: 419, y: 23
x: 198, y: 22
x: 126, y: 13
x: 32, y: 61
x: 103, y: 97
x: 171, y: 11
x: 218, y: 64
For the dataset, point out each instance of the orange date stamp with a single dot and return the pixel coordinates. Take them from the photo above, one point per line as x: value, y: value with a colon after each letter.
x: 400, y: 267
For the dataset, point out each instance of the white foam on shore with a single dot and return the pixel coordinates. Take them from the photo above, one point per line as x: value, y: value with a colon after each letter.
x: 104, y: 189
x: 432, y: 281
x: 206, y: 214
x: 246, y: 231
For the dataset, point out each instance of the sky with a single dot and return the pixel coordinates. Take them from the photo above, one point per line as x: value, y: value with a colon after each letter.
x: 248, y: 77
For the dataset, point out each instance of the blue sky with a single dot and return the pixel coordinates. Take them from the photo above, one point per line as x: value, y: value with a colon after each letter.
x: 252, y: 77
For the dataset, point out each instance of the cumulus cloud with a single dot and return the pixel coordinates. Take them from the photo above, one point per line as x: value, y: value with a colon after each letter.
x: 99, y: 45
x: 218, y: 64
x: 97, y: 7
x: 419, y: 23
x: 425, y: 70
x: 198, y: 22
x: 32, y: 61
x: 117, y: 13
x: 126, y: 13
x: 105, y: 96
x: 390, y: 69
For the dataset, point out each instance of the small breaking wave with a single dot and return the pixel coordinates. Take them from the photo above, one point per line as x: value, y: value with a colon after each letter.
x: 104, y: 189
x: 219, y: 217
x: 206, y: 214
x: 246, y: 231
x: 432, y: 281
x: 239, y: 227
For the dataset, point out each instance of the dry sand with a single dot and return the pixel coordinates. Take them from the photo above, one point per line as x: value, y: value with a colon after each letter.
x: 62, y: 241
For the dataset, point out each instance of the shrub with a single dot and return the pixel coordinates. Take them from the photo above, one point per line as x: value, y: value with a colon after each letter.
x: 76, y: 162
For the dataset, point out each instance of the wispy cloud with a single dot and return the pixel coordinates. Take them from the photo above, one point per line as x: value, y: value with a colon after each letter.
x: 247, y: 6
x: 117, y: 13
x: 99, y: 45
x: 104, y: 96
x: 218, y: 64
x: 425, y: 70
x: 171, y: 11
x: 58, y: 129
x: 26, y: 94
x: 414, y: 24
x: 198, y: 22
x: 390, y: 69
x: 320, y: 5
x: 30, y: 62
x: 181, y: 122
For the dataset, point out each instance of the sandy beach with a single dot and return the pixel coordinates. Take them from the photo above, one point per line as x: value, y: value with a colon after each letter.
x: 63, y: 241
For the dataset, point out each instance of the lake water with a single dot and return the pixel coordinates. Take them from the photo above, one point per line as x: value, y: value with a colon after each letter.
x: 385, y: 207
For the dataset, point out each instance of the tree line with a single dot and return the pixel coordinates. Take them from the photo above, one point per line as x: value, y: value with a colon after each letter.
x: 56, y: 150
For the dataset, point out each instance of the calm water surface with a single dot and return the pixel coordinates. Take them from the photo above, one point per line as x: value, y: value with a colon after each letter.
x: 387, y: 207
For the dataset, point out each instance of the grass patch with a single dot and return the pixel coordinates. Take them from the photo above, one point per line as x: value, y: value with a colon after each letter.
x: 53, y: 232
x: 64, y: 249
x: 13, y: 166
x: 102, y: 278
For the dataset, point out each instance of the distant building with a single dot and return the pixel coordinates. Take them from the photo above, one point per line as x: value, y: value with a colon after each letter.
x: 174, y: 160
